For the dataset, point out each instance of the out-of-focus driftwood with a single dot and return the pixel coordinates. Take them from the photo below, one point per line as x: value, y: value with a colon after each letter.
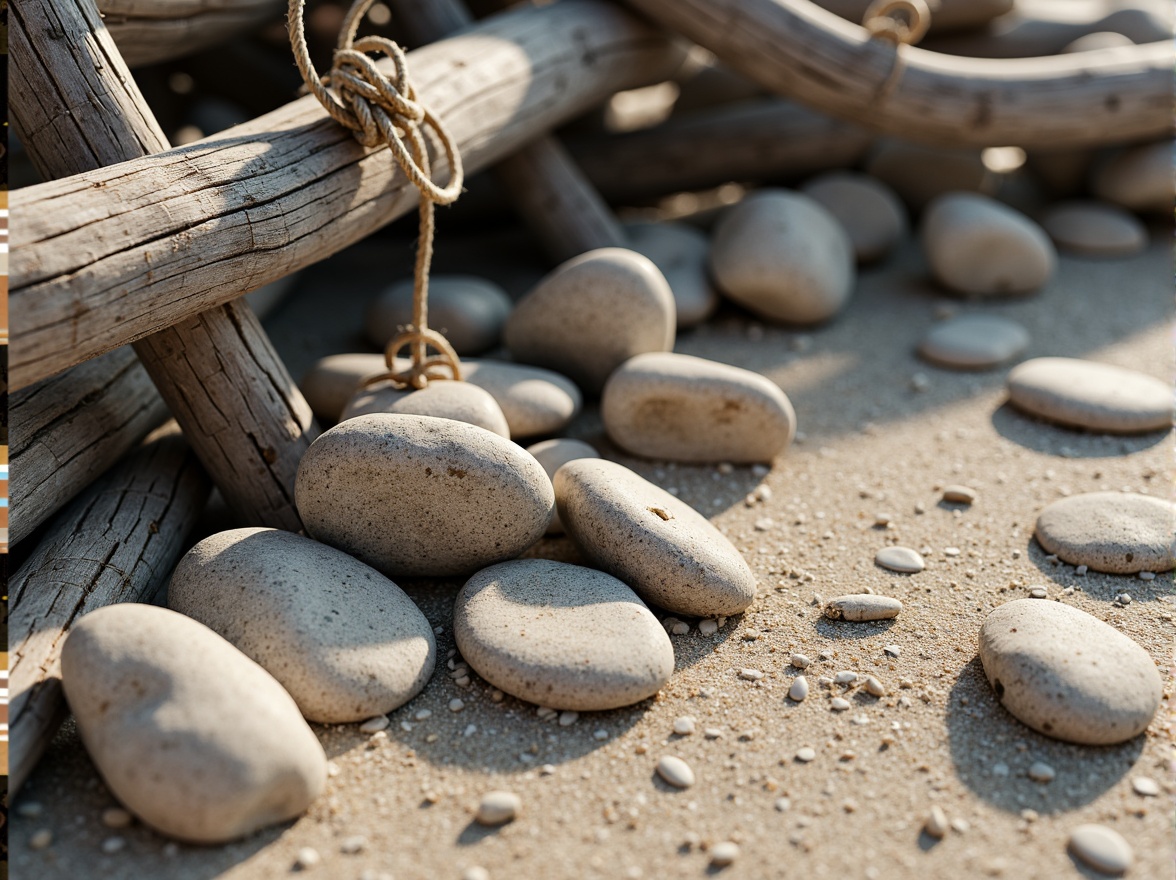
x: 947, y: 15
x: 147, y: 31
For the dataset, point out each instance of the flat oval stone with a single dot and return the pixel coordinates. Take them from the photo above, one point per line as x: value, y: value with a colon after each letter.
x: 1138, y: 178
x: 862, y: 607
x: 675, y: 771
x: 1115, y: 532
x: 663, y: 548
x: 901, y: 559
x: 1095, y: 229
x: 342, y: 639
x: 442, y: 399
x: 870, y: 212
x: 554, y: 454
x: 783, y: 256
x: 1067, y: 674
x: 593, y: 313
x: 977, y: 245
x: 188, y: 733
x: 681, y: 252
x: 333, y: 380
x: 974, y: 342
x: 1102, y: 848
x: 414, y: 495
x: 684, y: 408
x: 1091, y: 395
x: 561, y: 635
x: 468, y: 311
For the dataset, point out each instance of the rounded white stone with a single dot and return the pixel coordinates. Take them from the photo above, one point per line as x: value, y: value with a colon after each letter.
x: 192, y: 736
x: 341, y: 638
x: 1138, y: 178
x: 561, y: 635
x: 977, y: 245
x: 870, y: 212
x: 440, y: 399
x: 498, y: 808
x: 1115, y: 532
x: 1102, y: 848
x: 783, y: 256
x: 799, y: 688
x: 974, y: 342
x: 591, y: 314
x: 901, y: 559
x: 724, y: 853
x: 800, y: 661
x: 684, y: 726
x: 681, y: 252
x: 675, y: 771
x: 1067, y: 674
x: 554, y: 454
x: 936, y: 824
x: 1094, y: 228
x: 862, y: 607
x: 414, y: 495
x: 1091, y: 395
x: 468, y: 311
x: 684, y: 408
x: 664, y: 549
x: 806, y: 754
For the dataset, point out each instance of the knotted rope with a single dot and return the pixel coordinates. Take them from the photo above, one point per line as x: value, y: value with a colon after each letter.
x: 901, y: 22
x: 382, y: 110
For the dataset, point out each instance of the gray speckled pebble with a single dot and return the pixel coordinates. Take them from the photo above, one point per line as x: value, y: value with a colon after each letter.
x: 554, y: 454
x: 467, y: 310
x: 900, y: 559
x: 414, y: 495
x: 974, y: 342
x: 661, y: 547
x: 871, y: 213
x: 680, y: 252
x: 684, y: 408
x: 1067, y: 674
x: 331, y: 382
x: 1091, y: 395
x: 561, y: 636
x: 1115, y: 532
x: 441, y: 399
x: 341, y: 638
x: 188, y: 733
x: 591, y: 314
x: 862, y: 607
x: 1138, y: 178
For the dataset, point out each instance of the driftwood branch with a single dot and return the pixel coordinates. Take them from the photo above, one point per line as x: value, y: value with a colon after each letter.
x: 109, y: 256
x: 147, y: 31
x: 801, y: 51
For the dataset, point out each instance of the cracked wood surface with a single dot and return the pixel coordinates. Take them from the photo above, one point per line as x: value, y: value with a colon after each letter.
x: 801, y: 51
x: 109, y: 256
x: 148, y: 31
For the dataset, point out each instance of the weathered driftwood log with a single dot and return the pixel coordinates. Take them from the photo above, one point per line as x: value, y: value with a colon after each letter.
x: 116, y: 542
x: 946, y: 15
x: 240, y: 410
x: 550, y: 193
x: 147, y: 31
x: 109, y: 256
x: 799, y: 50
x: 760, y: 139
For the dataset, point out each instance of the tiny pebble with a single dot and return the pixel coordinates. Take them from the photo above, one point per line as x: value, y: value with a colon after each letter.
x: 1123, y: 598
x: 875, y: 687
x: 712, y: 733
x: 680, y: 628
x: 116, y: 817
x: 547, y: 713
x: 422, y: 714
x: 799, y: 689
x: 113, y: 844
x: 783, y: 805
x: 959, y: 495
x: 1039, y: 771
x: 675, y: 771
x: 800, y: 661
x: 750, y: 674
x: 374, y: 725
x: 1147, y: 575
x: 892, y: 650
x: 684, y: 726
x: 307, y: 858
x: 547, y: 770
x: 805, y: 754
x: 845, y: 677
x: 1102, y: 848
x: 41, y: 839
x: 456, y: 705
x: 723, y: 854
x: 708, y: 627
x: 1039, y: 593
x: 1081, y: 570
x: 600, y: 734
x: 936, y: 824
x: 568, y: 718
x: 1145, y: 786
x: 475, y: 872
x: 498, y: 808
x: 839, y: 704
x: 30, y: 809
x: 352, y: 845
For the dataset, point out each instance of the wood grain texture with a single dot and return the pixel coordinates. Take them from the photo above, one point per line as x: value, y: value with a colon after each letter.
x: 148, y: 31
x: 109, y: 256
x: 799, y: 50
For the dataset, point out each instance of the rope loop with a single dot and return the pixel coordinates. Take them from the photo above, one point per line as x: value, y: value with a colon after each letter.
x: 900, y: 23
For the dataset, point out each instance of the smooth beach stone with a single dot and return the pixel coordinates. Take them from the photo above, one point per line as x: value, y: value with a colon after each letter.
x: 593, y: 313
x: 190, y: 735
x: 684, y: 408
x: 344, y: 641
x: 974, y: 342
x: 1097, y: 40
x: 333, y: 380
x: 680, y: 252
x: 1101, y: 848
x: 862, y: 607
x: 442, y: 399
x: 900, y: 559
x: 979, y: 246
x: 468, y: 311
x: 1091, y: 395
x: 1139, y: 178
x: 919, y: 173
x: 663, y: 548
x: 870, y: 212
x: 783, y: 256
x: 554, y: 454
x: 562, y: 636
x: 1114, y: 532
x: 1067, y: 674
x: 1094, y: 228
x: 414, y: 495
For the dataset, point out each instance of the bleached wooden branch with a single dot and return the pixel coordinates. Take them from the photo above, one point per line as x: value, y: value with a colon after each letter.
x: 147, y: 31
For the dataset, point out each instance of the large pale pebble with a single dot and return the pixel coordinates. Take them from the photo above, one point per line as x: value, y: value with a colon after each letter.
x: 341, y: 638
x: 1139, y: 179
x: 333, y: 380
x: 974, y: 342
x: 1115, y: 532
x: 1102, y: 848
x: 561, y: 635
x: 593, y: 313
x: 685, y: 408
x: 554, y: 454
x: 1091, y: 395
x: 918, y: 173
x: 783, y: 256
x: 976, y: 245
x: 871, y: 213
x: 190, y: 735
x: 681, y: 253
x: 467, y: 310
x: 1094, y: 228
x: 415, y: 495
x: 442, y: 399
x: 1067, y: 674
x: 668, y: 552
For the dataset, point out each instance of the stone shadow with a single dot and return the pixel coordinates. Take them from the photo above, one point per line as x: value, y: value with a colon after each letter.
x: 1099, y: 585
x: 1051, y: 439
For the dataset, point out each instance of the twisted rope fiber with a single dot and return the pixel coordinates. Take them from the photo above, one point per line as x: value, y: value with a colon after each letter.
x: 883, y: 21
x: 381, y: 110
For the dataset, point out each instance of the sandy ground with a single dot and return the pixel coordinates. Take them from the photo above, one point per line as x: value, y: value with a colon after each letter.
x: 870, y: 444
